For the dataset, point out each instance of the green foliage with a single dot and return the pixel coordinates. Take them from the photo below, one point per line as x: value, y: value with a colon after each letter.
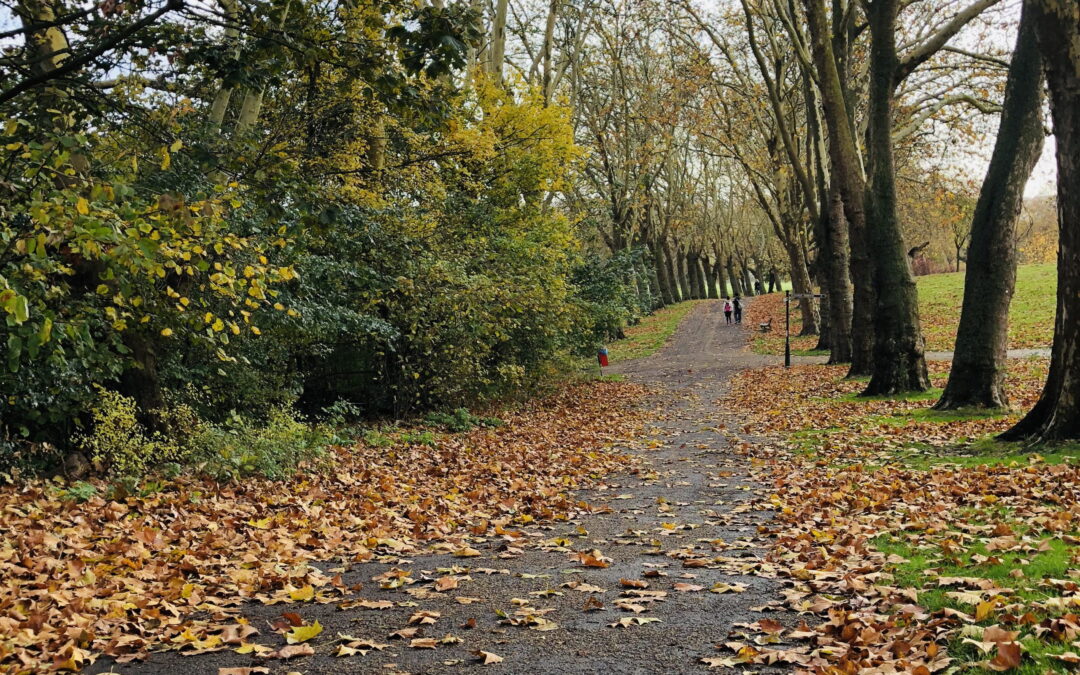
x: 461, y: 420
x: 79, y: 491
x: 274, y: 448
x: 367, y: 239
x: 613, y: 293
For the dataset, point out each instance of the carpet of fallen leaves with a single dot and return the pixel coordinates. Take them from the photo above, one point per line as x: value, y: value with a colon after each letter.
x: 118, y: 577
x: 917, y: 570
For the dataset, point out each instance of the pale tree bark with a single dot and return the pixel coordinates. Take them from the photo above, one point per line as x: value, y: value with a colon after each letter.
x: 545, y: 52
x: 224, y: 94
x: 662, y: 273
x: 977, y: 377
x: 1056, y: 416
x: 251, y: 106
x: 497, y: 52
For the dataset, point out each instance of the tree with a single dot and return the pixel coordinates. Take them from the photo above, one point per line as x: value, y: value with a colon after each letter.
x: 1054, y: 416
x: 977, y: 377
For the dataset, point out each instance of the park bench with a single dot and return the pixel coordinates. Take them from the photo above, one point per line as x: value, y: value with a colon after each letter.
x: 766, y: 326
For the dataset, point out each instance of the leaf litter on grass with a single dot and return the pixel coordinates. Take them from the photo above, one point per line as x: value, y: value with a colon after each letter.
x: 961, y: 564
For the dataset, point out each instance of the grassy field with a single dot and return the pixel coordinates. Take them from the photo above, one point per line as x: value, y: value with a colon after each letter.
x: 646, y: 338
x: 1031, y: 314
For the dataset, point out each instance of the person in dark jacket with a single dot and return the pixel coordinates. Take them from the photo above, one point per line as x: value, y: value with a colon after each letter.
x: 736, y: 305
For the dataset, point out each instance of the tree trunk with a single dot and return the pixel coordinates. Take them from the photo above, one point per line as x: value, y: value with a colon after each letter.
x: 691, y: 278
x: 747, y: 279
x: 824, y: 330
x: 497, y: 55
x: 663, y: 294
x: 977, y: 378
x: 710, y: 278
x: 736, y: 283
x: 838, y: 286
x: 700, y: 265
x: 141, y: 382
x: 1055, y: 416
x: 848, y: 178
x: 899, y: 363
x: 663, y: 273
x: 681, y: 269
x: 800, y: 284
x: 673, y: 272
x: 545, y: 50
x: 721, y: 280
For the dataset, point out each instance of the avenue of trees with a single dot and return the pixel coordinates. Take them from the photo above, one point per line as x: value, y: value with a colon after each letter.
x: 222, y: 213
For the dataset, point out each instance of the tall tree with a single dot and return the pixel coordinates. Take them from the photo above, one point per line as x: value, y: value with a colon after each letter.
x: 977, y: 378
x: 1056, y: 416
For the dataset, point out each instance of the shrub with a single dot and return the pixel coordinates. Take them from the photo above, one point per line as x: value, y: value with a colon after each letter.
x: 244, y: 447
x: 461, y: 420
x: 118, y: 443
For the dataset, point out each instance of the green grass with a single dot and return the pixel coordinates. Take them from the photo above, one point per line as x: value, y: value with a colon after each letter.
x: 989, y: 451
x: 1053, y: 563
x: 652, y: 333
x: 930, y: 394
x: 1031, y: 314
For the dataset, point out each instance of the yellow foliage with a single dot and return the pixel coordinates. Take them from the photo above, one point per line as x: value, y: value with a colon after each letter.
x: 119, y: 442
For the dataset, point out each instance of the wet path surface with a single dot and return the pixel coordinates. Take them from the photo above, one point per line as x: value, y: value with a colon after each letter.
x: 682, y: 524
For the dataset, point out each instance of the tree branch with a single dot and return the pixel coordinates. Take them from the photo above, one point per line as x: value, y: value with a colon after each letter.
x: 937, y: 41
x: 71, y: 65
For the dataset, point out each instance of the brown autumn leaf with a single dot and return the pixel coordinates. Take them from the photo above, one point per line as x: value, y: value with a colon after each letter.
x: 424, y: 643
x: 223, y: 541
x: 424, y: 617
x: 687, y: 588
x: 487, y: 658
x: 633, y: 583
x: 1007, y: 658
x: 445, y: 583
x: 290, y: 651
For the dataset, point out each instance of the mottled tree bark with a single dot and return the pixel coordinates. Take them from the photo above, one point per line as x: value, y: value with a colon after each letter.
x: 801, y: 284
x: 899, y: 362
x: 700, y: 265
x: 672, y: 272
x: 848, y: 180
x: 710, y: 277
x: 838, y: 285
x: 1056, y: 416
x: 977, y: 378
x: 662, y: 274
x: 681, y: 269
x: 721, y: 280
x: 736, y: 283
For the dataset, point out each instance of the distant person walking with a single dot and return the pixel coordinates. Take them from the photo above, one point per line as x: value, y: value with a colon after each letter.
x: 737, y: 304
x: 727, y: 310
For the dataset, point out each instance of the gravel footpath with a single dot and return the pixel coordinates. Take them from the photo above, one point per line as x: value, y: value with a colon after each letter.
x: 692, y: 493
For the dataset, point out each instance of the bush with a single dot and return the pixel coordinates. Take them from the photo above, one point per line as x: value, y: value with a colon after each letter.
x: 275, y: 448
x: 461, y: 420
x: 118, y: 444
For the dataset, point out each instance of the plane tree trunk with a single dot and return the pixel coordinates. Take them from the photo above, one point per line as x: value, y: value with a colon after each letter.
x: 977, y: 378
x: 1055, y: 416
x: 899, y: 362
